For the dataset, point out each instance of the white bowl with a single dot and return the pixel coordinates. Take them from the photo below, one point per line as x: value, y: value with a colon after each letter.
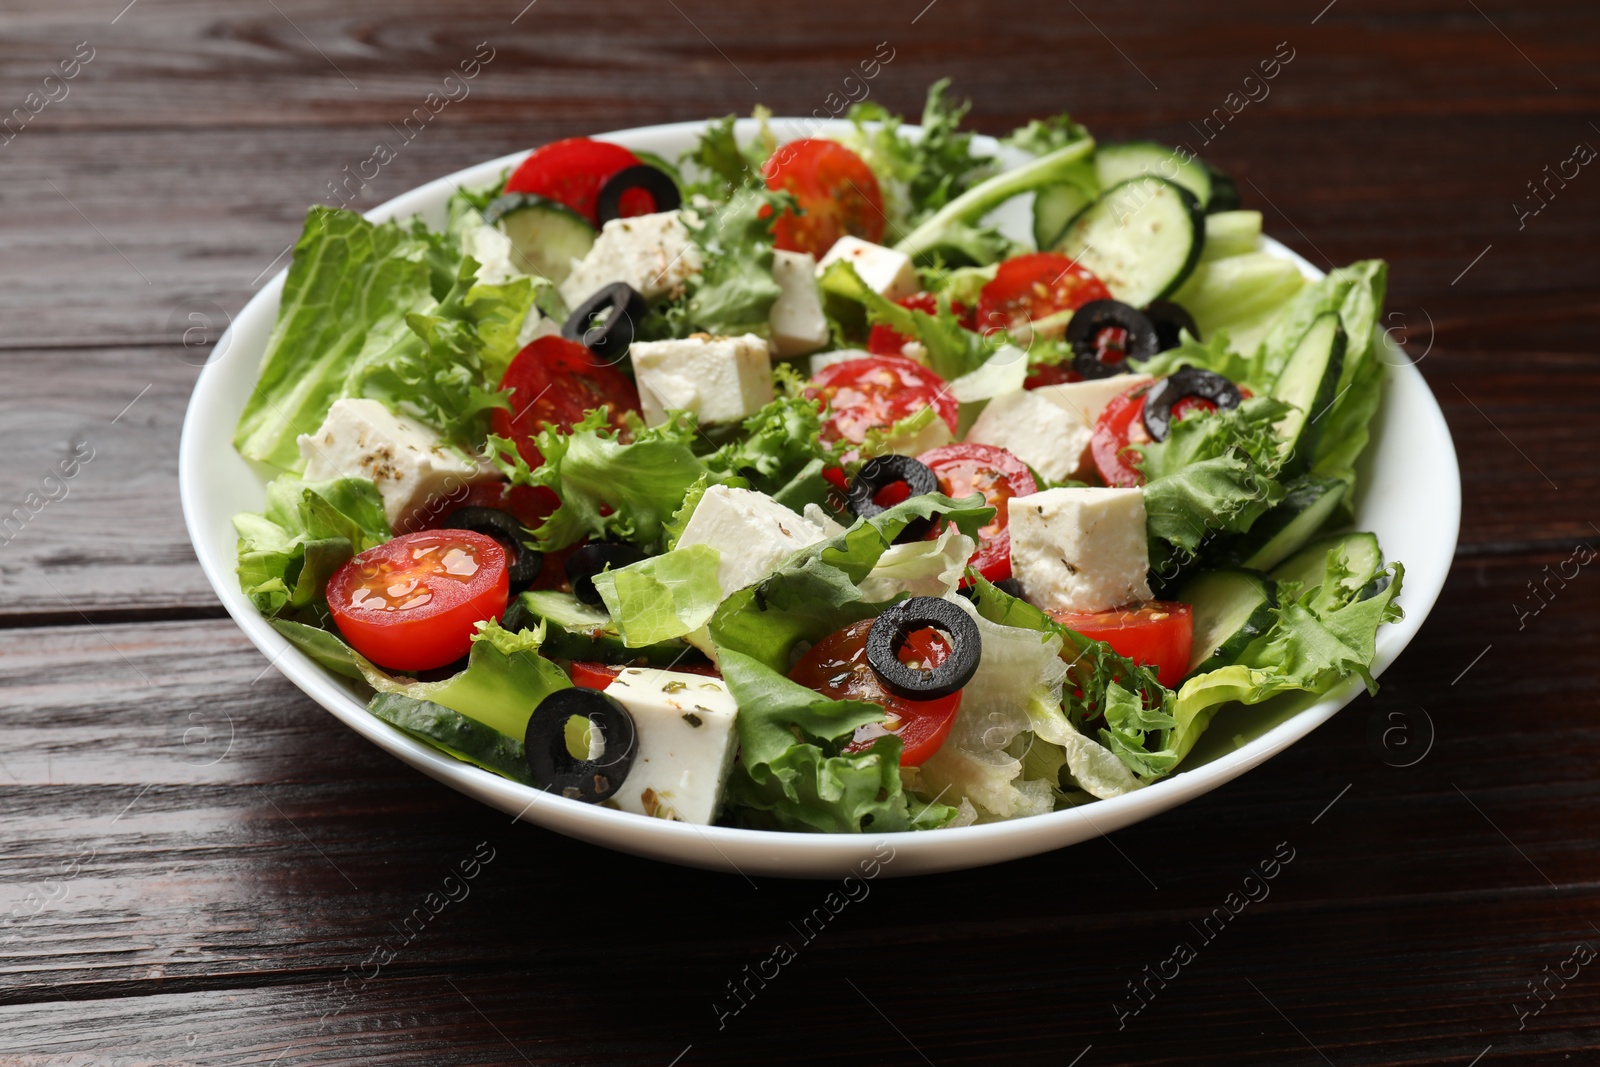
x: 1410, y: 496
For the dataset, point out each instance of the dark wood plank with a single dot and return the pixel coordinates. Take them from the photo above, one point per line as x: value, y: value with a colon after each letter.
x: 240, y: 891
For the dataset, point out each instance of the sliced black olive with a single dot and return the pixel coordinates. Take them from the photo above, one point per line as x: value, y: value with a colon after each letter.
x: 1093, y: 319
x: 878, y: 474
x: 523, y: 563
x: 888, y: 636
x: 593, y: 558
x: 1170, y: 320
x: 662, y: 189
x: 557, y: 770
x: 1186, y: 382
x: 618, y: 309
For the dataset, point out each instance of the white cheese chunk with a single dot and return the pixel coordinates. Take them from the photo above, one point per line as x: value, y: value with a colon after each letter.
x: 718, y: 379
x: 885, y: 271
x: 652, y: 253
x: 1089, y: 398
x: 491, y: 248
x: 1041, y: 434
x: 1080, y: 549
x: 684, y: 743
x: 798, y: 322
x: 415, y: 471
x: 751, y: 532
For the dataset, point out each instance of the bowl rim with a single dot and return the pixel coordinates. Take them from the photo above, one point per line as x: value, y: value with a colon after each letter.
x: 774, y: 851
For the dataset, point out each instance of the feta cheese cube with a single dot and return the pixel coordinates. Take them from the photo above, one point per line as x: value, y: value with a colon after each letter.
x: 752, y: 533
x: 885, y: 271
x: 415, y: 471
x: 491, y: 248
x: 1044, y: 436
x: 684, y: 742
x: 1080, y: 549
x: 718, y: 379
x: 1089, y: 398
x: 798, y: 323
x: 652, y: 253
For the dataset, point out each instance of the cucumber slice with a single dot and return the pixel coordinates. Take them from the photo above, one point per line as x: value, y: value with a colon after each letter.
x: 1053, y: 207
x: 545, y: 236
x: 1118, y: 162
x: 576, y: 631
x: 456, y: 734
x: 1231, y: 233
x: 1142, y: 238
x: 1224, y: 192
x: 1310, y: 382
x: 1308, y: 568
x: 1231, y: 609
x: 1308, y: 505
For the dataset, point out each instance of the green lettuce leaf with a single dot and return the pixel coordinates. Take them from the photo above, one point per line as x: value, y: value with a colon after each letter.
x: 734, y: 292
x: 776, y: 445
x: 663, y: 597
x: 308, y: 531
x: 952, y: 350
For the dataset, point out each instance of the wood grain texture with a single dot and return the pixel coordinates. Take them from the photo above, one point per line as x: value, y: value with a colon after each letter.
x: 198, y: 866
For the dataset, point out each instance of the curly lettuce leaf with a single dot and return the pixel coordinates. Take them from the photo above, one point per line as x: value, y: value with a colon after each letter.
x: 307, y: 531
x: 734, y: 292
x: 952, y: 350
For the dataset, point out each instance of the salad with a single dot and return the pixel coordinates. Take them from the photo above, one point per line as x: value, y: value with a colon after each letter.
x: 775, y: 486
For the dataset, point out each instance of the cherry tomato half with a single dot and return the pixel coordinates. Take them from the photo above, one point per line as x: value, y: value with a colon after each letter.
x: 1158, y: 634
x: 988, y: 469
x: 837, y: 667
x: 836, y: 191
x: 1119, y: 425
x: 878, y: 391
x: 1036, y: 286
x: 883, y: 341
x: 571, y: 172
x: 410, y: 604
x: 555, y: 382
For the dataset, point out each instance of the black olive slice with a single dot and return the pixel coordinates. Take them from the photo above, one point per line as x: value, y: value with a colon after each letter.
x: 619, y: 309
x: 662, y: 189
x: 888, y: 636
x: 878, y: 474
x: 1182, y: 384
x: 523, y: 563
x: 557, y: 770
x: 1093, y: 319
x: 1170, y: 320
x: 593, y: 558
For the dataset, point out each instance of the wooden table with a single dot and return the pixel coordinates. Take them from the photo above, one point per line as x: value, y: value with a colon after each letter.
x: 201, y: 867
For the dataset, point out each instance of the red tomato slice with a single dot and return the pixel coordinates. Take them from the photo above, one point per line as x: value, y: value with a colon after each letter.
x: 997, y: 474
x: 555, y: 382
x: 571, y: 172
x: 410, y: 604
x: 837, y: 193
x: 878, y: 391
x: 883, y: 341
x: 1119, y: 425
x: 837, y: 667
x: 1036, y: 286
x: 1158, y: 634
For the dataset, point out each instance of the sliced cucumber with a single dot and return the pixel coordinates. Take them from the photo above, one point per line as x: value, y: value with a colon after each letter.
x: 1118, y: 162
x: 1310, y: 382
x: 545, y: 236
x: 1231, y: 233
x: 1308, y: 568
x: 1305, y: 509
x: 456, y: 734
x: 1231, y: 609
x: 576, y: 631
x: 1053, y: 207
x: 1224, y: 192
x: 1142, y: 238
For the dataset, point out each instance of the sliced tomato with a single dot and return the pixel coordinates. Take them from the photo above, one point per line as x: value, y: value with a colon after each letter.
x: 572, y: 172
x: 878, y: 392
x: 411, y: 604
x: 1036, y: 286
x: 965, y: 469
x: 883, y: 341
x: 555, y: 382
x: 837, y: 667
x: 1157, y: 634
x: 836, y: 191
x: 1119, y: 425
